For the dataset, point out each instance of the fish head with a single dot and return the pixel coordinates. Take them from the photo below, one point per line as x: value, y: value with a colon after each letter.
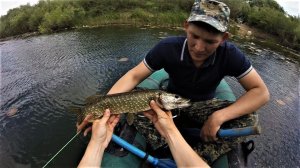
x: 171, y: 101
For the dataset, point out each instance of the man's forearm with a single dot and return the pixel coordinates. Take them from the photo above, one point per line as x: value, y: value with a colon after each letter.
x: 93, y: 155
x: 183, y: 154
x: 124, y: 84
x: 130, y: 79
x: 246, y: 104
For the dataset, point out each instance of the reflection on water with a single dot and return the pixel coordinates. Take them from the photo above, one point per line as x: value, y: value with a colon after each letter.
x: 41, y: 76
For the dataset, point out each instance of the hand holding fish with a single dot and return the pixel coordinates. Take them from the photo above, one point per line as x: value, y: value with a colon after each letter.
x: 183, y: 154
x: 162, y: 120
x: 102, y: 128
x: 102, y: 131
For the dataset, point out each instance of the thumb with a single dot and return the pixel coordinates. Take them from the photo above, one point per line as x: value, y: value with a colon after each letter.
x: 155, y: 107
x: 105, y: 117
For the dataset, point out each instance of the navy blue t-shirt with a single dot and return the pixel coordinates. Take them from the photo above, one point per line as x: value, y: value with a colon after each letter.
x: 185, y: 78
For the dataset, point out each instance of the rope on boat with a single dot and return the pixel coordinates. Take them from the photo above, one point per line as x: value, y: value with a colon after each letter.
x: 62, y: 148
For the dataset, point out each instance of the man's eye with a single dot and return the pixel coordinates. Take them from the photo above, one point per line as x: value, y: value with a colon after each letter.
x: 210, y: 42
x: 195, y: 37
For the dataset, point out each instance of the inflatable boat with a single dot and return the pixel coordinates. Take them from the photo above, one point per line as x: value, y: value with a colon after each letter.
x: 116, y: 156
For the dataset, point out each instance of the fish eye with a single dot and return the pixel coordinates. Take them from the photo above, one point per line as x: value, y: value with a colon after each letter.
x: 176, y: 96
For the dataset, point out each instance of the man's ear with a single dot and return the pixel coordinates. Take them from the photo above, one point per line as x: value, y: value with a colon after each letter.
x: 185, y: 25
x: 225, y: 36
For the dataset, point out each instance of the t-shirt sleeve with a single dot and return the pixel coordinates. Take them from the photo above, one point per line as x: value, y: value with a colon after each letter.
x: 237, y: 65
x: 154, y: 59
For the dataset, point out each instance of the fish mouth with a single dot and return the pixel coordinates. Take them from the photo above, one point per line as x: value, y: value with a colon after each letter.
x: 184, y: 103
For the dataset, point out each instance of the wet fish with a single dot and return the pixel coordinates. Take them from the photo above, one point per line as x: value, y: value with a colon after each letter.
x: 129, y: 102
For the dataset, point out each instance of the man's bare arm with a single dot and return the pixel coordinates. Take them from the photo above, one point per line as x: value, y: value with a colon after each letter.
x: 132, y: 78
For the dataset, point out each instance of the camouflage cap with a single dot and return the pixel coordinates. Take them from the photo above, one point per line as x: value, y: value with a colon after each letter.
x: 212, y: 12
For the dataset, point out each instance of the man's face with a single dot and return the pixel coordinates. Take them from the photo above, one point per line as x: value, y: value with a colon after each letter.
x: 202, y: 44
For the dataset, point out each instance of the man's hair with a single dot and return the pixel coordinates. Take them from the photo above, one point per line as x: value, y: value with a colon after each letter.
x: 207, y: 27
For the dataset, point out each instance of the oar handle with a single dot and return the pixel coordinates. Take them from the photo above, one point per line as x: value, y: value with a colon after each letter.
x: 134, y: 150
x: 236, y: 132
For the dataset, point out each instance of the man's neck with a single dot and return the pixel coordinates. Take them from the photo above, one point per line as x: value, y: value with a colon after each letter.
x: 198, y: 64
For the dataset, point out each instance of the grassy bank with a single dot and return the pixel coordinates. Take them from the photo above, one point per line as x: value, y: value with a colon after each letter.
x: 137, y: 17
x: 55, y: 15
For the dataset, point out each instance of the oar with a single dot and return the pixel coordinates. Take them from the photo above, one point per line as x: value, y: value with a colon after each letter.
x: 236, y: 132
x: 169, y: 163
x: 161, y: 163
x: 223, y: 133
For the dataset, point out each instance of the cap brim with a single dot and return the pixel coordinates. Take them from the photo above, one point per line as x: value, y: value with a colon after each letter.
x: 209, y: 20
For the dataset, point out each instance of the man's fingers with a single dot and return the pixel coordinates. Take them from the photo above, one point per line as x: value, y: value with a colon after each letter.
x: 115, y: 121
x: 84, y: 123
x: 105, y: 117
x: 149, y: 114
x: 160, y: 113
x: 146, y: 114
x: 169, y: 113
x: 207, y: 137
x: 155, y: 107
x: 112, y: 118
x: 86, y: 131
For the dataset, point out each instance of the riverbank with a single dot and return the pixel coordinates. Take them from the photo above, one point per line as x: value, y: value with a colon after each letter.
x: 252, y: 35
x: 238, y: 32
x: 56, y: 15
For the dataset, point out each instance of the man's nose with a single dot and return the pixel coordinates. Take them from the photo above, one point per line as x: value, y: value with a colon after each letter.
x: 200, y: 45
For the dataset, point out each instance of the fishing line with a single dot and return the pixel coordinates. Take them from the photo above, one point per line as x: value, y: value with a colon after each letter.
x: 62, y: 148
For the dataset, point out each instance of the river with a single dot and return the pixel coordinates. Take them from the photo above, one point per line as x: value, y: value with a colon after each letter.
x: 42, y: 76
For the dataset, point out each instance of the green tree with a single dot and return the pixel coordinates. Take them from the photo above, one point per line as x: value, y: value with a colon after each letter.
x: 60, y: 18
x: 266, y: 3
x: 239, y: 10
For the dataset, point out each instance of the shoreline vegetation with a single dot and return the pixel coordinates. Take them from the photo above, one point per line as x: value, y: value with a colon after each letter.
x: 261, y: 21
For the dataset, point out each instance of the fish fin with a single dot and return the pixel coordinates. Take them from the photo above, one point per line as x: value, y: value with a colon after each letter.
x: 75, y: 109
x: 130, y: 118
x: 78, y: 111
x: 92, y: 99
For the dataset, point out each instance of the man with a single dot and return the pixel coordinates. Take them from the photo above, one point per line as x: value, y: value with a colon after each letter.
x: 198, y: 62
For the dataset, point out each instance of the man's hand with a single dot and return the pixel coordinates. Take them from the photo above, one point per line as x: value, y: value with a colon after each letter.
x: 102, y: 129
x: 183, y: 154
x: 210, y: 128
x: 163, y: 121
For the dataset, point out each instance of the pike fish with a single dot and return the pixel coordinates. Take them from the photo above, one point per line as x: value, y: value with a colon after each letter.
x: 129, y: 102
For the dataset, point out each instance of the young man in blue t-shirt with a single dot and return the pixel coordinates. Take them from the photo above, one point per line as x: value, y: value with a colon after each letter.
x: 198, y: 62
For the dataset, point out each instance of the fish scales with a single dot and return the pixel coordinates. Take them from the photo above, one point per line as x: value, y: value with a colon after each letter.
x: 131, y: 102
x: 127, y: 103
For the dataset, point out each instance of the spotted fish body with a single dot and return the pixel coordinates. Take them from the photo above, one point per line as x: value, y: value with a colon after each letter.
x: 131, y: 102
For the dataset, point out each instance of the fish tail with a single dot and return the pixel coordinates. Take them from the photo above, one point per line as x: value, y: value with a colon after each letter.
x: 79, y: 112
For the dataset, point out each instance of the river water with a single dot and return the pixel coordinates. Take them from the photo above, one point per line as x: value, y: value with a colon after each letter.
x: 42, y: 76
